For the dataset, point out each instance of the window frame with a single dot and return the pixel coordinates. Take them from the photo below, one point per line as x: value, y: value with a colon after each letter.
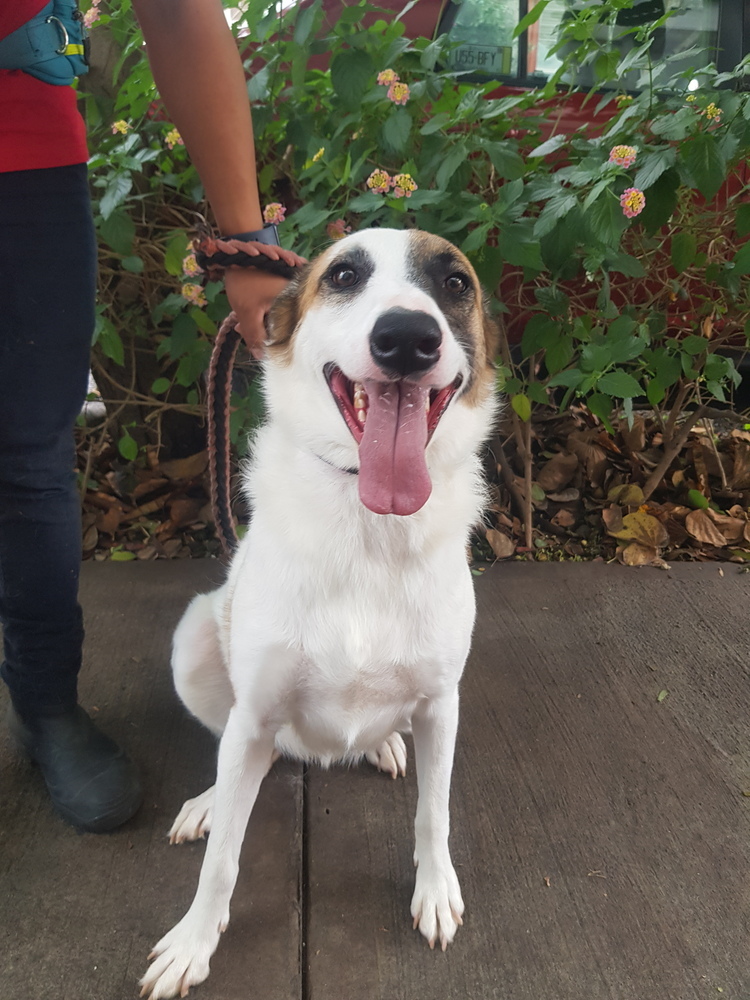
x: 732, y: 41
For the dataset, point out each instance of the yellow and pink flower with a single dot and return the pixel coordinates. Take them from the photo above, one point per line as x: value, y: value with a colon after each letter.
x: 173, y: 138
x: 403, y: 185
x: 379, y: 181
x: 633, y: 201
x: 398, y: 92
x: 338, y: 229
x: 274, y: 213
x: 193, y: 293
x: 121, y: 126
x: 623, y: 156
x: 190, y: 266
x: 91, y: 16
x: 387, y: 77
x: 713, y: 113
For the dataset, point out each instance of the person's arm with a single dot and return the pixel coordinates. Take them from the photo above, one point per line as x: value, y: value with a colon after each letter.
x: 199, y: 74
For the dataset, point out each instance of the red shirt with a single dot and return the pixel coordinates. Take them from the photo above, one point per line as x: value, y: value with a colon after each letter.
x: 39, y: 122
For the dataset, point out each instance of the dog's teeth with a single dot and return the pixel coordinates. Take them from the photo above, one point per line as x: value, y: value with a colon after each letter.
x: 359, y: 397
x: 361, y: 416
x: 427, y: 403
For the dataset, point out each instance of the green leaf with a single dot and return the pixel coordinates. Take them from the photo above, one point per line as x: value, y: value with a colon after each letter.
x: 396, y: 130
x: 625, y: 264
x: 540, y: 333
x: 684, y: 248
x: 606, y: 220
x: 522, y: 405
x: 160, y: 385
x: 697, y: 500
x: 127, y: 447
x: 507, y: 162
x: 352, y: 75
x: 742, y: 260
x: 552, y: 144
x: 531, y: 18
x: 571, y: 378
x: 121, y: 555
x: 305, y: 22
x: 133, y: 264
x: 558, y: 355
x: 703, y: 158
x: 742, y: 219
x: 450, y: 165
x: 619, y: 384
x: 175, y: 253
x: 109, y: 340
x: 661, y: 201
x: 435, y: 123
x: 653, y: 165
x: 118, y: 232
x: 693, y: 345
x: 662, y: 695
x: 115, y: 193
x: 601, y: 406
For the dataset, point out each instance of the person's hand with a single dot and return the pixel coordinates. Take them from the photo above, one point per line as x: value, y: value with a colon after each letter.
x: 250, y: 292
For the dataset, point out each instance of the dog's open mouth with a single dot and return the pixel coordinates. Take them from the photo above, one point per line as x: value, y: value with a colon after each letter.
x: 392, y: 422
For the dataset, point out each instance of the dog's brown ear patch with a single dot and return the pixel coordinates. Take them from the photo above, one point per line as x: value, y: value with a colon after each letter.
x: 284, y: 317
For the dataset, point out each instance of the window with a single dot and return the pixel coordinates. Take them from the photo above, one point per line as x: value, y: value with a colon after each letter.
x: 483, y: 33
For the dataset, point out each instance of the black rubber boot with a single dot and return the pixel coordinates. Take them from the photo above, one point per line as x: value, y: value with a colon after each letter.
x: 91, y: 781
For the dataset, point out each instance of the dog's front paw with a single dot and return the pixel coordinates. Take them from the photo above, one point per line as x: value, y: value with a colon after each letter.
x: 436, y: 905
x: 194, y: 819
x: 180, y: 960
x: 390, y: 756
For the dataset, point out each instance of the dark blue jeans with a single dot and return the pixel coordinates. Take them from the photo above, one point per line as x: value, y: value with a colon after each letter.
x: 47, y: 289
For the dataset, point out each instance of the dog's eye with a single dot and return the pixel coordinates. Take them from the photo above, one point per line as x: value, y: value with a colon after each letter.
x: 457, y: 284
x: 344, y: 277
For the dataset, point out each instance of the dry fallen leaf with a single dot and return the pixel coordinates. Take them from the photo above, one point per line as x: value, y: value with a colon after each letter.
x: 557, y: 472
x: 700, y: 526
x: 501, y: 545
x: 644, y: 529
x: 185, y: 468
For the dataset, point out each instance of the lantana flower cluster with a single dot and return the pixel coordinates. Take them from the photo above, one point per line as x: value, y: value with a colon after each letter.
x: 623, y: 156
x: 398, y: 91
x: 92, y: 15
x: 173, y: 138
x: 274, y: 213
x: 402, y: 185
x: 633, y: 201
x: 193, y: 293
x: 338, y: 229
x: 122, y: 127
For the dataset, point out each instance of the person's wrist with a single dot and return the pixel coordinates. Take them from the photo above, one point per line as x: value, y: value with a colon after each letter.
x: 269, y: 234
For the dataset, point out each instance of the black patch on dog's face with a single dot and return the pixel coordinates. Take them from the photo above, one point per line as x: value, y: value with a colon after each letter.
x: 442, y: 274
x: 346, y: 276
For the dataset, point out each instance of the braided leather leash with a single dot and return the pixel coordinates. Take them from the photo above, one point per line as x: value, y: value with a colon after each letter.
x: 214, y: 256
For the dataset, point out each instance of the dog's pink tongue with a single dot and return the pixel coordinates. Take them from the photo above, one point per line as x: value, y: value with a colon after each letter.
x: 393, y: 476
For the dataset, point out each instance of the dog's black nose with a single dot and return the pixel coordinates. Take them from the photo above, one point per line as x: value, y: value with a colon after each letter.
x: 405, y: 342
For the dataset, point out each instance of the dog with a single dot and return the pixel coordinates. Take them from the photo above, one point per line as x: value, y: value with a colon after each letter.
x: 347, y: 614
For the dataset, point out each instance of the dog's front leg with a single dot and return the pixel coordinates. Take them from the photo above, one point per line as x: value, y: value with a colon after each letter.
x: 436, y: 905
x: 181, y: 958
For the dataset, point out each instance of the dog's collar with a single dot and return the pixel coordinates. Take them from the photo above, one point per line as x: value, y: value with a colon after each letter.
x: 349, y: 472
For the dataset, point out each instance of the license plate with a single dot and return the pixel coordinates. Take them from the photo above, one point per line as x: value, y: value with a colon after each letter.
x: 491, y: 59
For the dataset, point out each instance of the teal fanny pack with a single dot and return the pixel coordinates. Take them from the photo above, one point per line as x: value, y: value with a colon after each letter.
x: 52, y: 46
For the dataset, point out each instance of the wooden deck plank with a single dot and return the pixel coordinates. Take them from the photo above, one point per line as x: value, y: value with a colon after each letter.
x: 79, y: 913
x: 568, y: 769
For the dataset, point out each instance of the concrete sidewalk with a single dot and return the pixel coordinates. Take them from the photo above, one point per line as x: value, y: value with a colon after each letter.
x: 602, y: 836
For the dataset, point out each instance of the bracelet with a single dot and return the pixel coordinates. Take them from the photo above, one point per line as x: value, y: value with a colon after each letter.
x: 269, y: 234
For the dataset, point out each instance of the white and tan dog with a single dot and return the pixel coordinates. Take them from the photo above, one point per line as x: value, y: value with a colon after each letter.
x: 347, y: 614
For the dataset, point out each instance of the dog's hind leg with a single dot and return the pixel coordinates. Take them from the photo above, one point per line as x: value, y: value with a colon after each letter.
x: 390, y: 756
x: 198, y: 668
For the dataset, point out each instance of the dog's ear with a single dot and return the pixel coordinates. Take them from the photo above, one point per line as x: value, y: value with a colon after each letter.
x: 491, y: 331
x: 285, y: 314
